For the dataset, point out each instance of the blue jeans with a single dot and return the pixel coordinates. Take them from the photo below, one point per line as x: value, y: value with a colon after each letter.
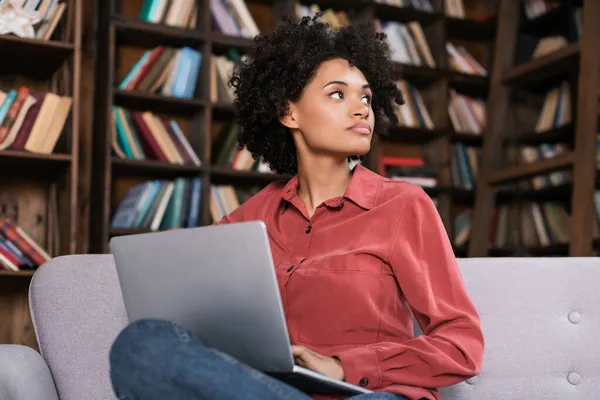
x: 154, y: 359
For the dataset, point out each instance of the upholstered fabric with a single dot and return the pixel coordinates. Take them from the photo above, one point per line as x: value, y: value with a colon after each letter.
x: 541, y: 322
x: 24, y: 375
x: 540, y: 317
x: 78, y: 310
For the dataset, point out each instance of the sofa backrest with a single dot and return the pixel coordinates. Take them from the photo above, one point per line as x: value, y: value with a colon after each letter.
x: 541, y: 323
x: 540, y: 317
x: 77, y: 311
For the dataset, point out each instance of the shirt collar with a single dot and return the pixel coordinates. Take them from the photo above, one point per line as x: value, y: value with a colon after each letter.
x: 362, y: 189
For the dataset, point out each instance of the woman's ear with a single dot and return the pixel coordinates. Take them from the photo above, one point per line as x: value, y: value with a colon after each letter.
x: 289, y: 119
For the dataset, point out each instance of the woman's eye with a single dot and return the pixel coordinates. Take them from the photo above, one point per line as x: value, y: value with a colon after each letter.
x: 367, y: 98
x: 337, y: 95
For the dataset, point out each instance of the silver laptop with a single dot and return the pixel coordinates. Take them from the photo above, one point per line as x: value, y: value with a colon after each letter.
x: 218, y: 282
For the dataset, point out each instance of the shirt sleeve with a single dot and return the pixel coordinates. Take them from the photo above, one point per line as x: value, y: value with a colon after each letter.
x: 450, y: 349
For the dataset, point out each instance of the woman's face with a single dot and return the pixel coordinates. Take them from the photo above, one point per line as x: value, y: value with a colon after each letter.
x: 334, y: 115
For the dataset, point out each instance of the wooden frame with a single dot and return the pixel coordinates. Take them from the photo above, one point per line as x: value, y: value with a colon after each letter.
x: 39, y: 192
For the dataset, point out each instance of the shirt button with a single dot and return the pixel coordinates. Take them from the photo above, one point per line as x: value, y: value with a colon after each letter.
x: 364, y: 382
x: 291, y: 267
x: 308, y: 229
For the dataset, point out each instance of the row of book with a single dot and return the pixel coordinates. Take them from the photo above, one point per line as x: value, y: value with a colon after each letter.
x: 465, y: 166
x: 31, y: 19
x: 556, y: 112
x: 225, y: 152
x: 143, y: 135
x: 424, y: 5
x: 467, y: 114
x: 180, y: 13
x: 522, y: 225
x: 220, y: 70
x: 407, y: 42
x: 159, y: 205
x: 32, y: 121
x: 334, y: 18
x: 165, y: 70
x: 18, y: 251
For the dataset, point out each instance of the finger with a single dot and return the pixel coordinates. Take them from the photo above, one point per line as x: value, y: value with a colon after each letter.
x: 298, y: 351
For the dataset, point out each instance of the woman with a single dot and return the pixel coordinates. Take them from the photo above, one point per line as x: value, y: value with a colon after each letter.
x: 357, y: 255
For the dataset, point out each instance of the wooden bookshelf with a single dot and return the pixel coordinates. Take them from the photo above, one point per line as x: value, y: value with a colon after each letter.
x: 515, y: 79
x: 120, y: 27
x: 39, y: 189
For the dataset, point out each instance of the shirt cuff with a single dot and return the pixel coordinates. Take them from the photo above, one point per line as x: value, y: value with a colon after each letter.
x: 361, y: 367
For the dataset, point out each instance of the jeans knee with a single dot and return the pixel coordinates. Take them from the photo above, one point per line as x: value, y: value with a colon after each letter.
x: 146, y: 339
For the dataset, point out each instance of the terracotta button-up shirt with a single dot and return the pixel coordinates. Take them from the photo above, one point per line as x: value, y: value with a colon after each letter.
x: 353, y: 276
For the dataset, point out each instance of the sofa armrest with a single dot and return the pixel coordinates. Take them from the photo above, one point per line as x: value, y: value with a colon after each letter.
x: 24, y: 374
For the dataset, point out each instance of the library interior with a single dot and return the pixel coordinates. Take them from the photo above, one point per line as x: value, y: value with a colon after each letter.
x: 499, y: 128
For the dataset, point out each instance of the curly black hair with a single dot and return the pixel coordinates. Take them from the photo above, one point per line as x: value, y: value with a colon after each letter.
x: 283, y: 62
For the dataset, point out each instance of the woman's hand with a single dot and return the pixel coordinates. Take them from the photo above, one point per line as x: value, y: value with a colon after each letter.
x: 329, y: 366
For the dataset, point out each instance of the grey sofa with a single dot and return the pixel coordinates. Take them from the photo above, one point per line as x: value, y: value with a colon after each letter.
x: 540, y: 316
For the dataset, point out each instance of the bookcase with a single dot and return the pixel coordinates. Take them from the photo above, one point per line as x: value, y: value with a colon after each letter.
x: 125, y: 168
x: 540, y: 143
x: 39, y: 151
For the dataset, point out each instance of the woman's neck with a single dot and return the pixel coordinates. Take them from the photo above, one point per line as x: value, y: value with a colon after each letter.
x: 320, y: 180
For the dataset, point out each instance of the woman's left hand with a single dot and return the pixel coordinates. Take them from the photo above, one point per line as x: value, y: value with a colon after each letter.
x: 329, y: 366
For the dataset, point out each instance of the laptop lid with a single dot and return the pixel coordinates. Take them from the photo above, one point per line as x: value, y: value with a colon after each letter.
x: 217, y: 281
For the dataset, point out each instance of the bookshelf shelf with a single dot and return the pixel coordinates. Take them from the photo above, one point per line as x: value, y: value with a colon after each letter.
x: 16, y: 274
x: 470, y: 29
x: 520, y: 172
x: 223, y: 175
x: 550, y: 23
x: 23, y: 163
x: 26, y: 55
x: 148, y: 168
x: 474, y: 85
x: 405, y: 14
x: 132, y: 32
x: 419, y: 75
x: 406, y: 134
x: 222, y: 112
x: 220, y: 41
x: 124, y: 232
x: 137, y: 100
x: 469, y: 139
x: 540, y: 69
x: 549, y: 193
x: 562, y: 134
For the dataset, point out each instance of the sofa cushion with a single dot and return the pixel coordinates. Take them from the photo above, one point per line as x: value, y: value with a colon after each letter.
x: 541, y: 323
x: 77, y: 310
x: 24, y: 375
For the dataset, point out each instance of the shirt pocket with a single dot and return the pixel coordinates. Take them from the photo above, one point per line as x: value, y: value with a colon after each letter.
x: 337, y: 304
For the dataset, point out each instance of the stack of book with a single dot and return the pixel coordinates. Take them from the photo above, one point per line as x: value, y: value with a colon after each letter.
x: 141, y: 135
x: 181, y: 13
x: 413, y: 113
x: 423, y: 5
x: 461, y: 60
x: 467, y: 114
x: 32, y: 121
x: 160, y: 204
x: 226, y: 152
x: 166, y: 71
x: 18, y: 251
x: 233, y: 18
x: 408, y: 44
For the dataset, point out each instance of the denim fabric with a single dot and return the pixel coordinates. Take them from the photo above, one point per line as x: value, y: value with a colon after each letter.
x: 154, y: 359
